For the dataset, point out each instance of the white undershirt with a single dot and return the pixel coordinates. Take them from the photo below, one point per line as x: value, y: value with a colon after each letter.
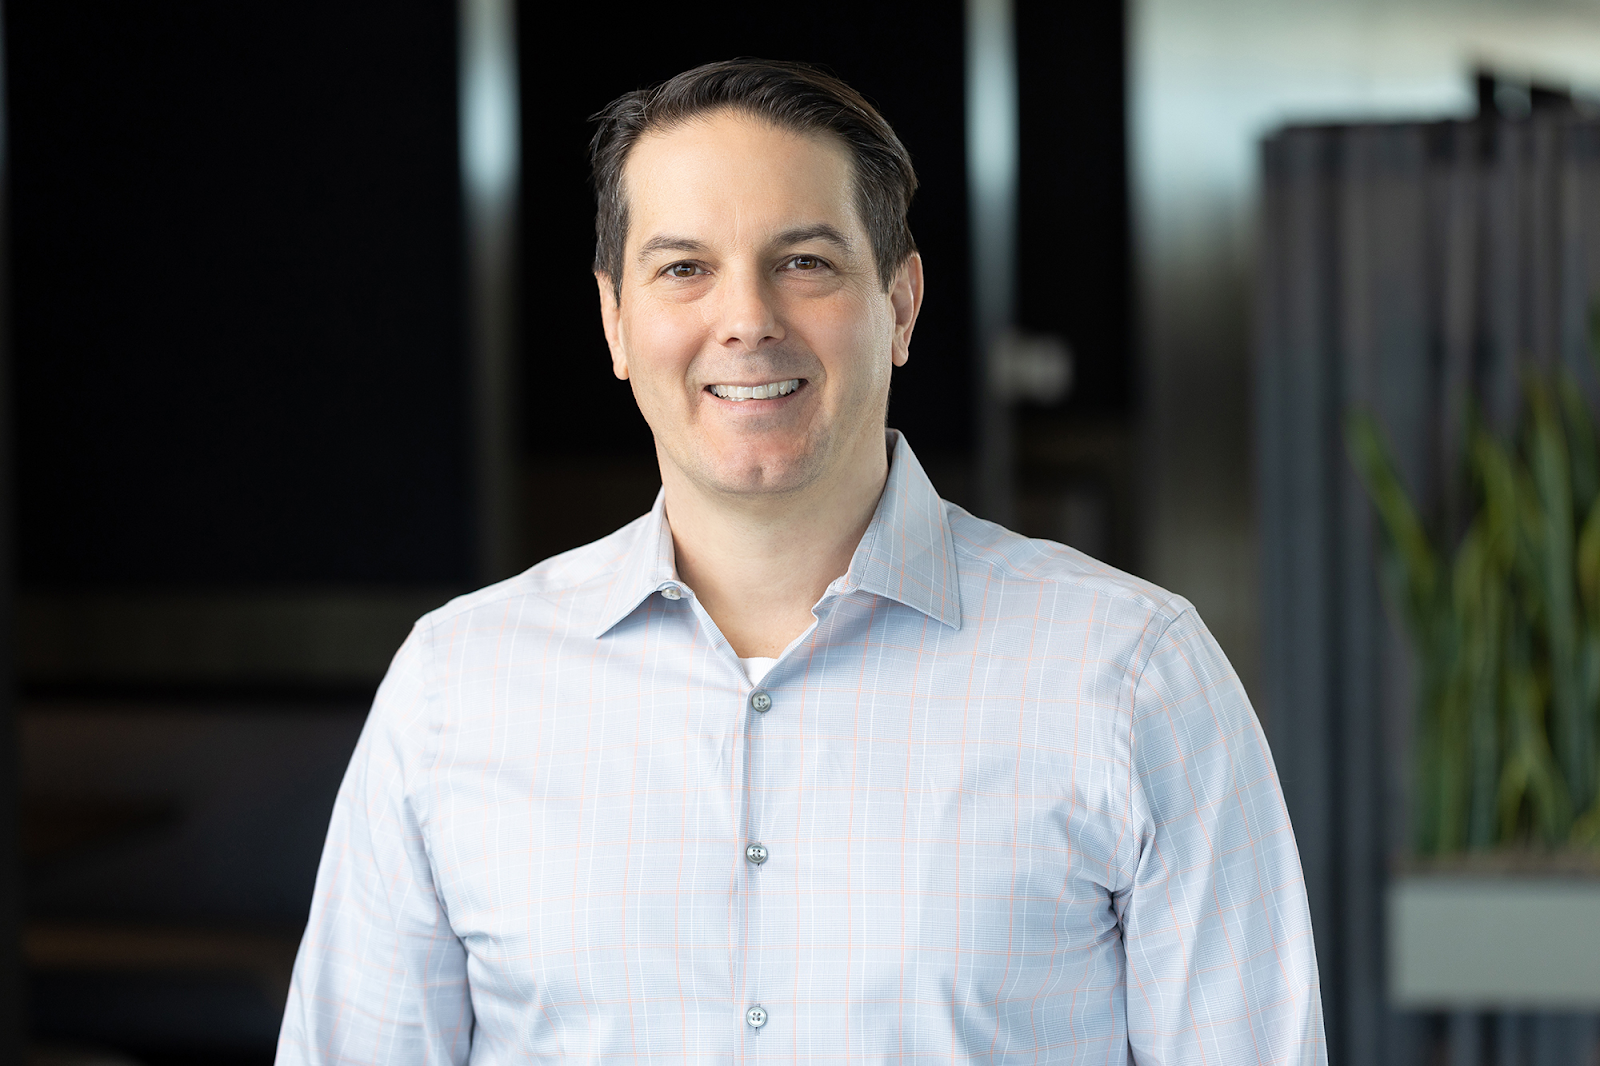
x: 756, y: 667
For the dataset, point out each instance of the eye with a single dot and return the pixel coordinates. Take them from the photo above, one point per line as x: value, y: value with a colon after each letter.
x: 681, y: 270
x: 805, y: 262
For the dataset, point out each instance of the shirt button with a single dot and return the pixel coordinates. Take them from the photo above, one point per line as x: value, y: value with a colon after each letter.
x: 756, y: 853
x: 760, y: 701
x: 756, y: 1017
x: 672, y: 592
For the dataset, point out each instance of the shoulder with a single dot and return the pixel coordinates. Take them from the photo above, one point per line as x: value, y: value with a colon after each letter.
x: 566, y: 590
x: 1183, y: 695
x: 989, y: 556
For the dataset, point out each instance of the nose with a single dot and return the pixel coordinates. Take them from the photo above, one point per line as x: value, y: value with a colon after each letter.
x: 747, y: 312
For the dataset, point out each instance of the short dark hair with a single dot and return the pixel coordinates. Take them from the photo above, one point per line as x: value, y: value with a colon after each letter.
x: 791, y: 96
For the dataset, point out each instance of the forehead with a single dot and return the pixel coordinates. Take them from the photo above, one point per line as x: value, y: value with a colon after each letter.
x: 730, y: 169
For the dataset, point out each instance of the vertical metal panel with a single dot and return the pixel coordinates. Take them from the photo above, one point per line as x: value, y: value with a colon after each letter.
x: 1457, y: 251
x: 992, y: 177
x: 1294, y: 417
x: 1466, y: 1038
x: 1544, y: 243
x: 1503, y: 276
x: 490, y: 172
x: 1579, y: 233
x: 1385, y: 295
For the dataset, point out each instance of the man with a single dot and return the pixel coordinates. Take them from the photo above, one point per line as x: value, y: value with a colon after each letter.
x: 805, y: 764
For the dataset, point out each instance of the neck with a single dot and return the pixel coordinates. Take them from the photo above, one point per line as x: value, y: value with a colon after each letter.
x: 758, y: 564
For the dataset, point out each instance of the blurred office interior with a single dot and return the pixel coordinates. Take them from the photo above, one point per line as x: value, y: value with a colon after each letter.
x: 300, y: 341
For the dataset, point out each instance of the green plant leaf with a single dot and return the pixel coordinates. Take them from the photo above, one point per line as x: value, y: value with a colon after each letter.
x: 1504, y: 628
x: 1418, y: 566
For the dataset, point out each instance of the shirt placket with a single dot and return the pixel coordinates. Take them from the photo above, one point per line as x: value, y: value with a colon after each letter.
x: 757, y: 853
x: 744, y: 906
x: 772, y: 712
x: 759, y: 704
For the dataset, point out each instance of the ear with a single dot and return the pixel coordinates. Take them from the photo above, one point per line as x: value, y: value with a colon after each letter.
x: 905, y: 296
x: 611, y: 321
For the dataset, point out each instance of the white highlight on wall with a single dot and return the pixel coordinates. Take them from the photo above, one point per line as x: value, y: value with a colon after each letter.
x: 490, y: 139
x: 490, y: 174
x: 992, y: 159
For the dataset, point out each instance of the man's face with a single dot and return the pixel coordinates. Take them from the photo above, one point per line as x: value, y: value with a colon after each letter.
x: 752, y: 323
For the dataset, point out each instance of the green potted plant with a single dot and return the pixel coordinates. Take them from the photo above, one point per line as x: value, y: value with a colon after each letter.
x: 1499, y: 903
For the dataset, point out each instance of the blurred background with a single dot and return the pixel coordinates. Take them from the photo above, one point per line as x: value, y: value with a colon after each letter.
x: 300, y: 341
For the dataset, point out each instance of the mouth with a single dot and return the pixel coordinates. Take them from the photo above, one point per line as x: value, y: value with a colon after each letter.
x: 768, y: 391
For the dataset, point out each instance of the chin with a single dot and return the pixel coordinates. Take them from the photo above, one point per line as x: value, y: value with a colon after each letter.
x: 764, y: 474
x: 760, y: 482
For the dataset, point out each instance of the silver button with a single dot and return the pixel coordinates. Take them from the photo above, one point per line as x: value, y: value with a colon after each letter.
x: 756, y: 1017
x: 672, y: 592
x: 760, y: 701
x: 756, y: 853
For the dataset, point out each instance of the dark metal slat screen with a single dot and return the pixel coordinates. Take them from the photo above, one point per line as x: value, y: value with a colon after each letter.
x: 1404, y: 268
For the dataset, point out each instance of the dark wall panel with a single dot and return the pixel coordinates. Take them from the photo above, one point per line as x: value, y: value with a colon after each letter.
x: 1074, y: 271
x: 237, y: 262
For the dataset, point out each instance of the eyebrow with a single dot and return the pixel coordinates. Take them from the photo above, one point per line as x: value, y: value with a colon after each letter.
x: 668, y: 242
x: 821, y: 231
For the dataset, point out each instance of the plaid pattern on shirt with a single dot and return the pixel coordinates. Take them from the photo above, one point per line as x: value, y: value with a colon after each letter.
x: 1016, y: 808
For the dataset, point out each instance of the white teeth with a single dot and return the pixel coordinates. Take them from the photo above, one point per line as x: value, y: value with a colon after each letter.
x: 756, y: 392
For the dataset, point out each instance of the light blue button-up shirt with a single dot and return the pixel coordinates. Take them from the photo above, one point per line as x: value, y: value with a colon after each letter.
x: 1015, y: 806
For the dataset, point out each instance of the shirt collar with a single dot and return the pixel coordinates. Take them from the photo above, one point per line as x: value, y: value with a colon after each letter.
x: 907, y: 553
x: 647, y: 567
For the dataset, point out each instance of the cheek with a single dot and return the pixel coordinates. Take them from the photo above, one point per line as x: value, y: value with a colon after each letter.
x: 861, y: 337
x: 659, y: 350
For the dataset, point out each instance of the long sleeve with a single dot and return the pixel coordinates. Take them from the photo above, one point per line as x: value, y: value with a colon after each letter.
x: 380, y: 976
x: 1220, y: 961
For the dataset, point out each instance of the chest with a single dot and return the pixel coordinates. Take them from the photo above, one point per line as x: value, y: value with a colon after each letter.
x: 651, y: 829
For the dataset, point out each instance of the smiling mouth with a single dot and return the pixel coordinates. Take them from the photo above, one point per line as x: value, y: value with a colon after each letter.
x: 740, y: 393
